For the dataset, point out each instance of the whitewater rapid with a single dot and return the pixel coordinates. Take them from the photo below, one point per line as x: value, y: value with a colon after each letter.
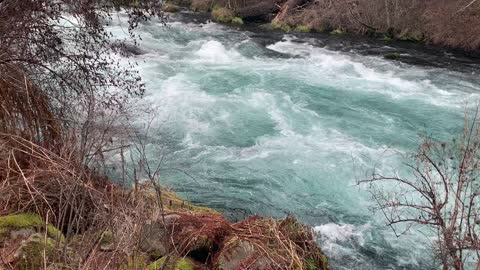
x: 275, y: 126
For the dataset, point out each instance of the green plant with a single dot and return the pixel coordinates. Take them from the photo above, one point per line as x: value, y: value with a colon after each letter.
x: 172, y: 263
x: 280, y: 26
x: 223, y: 15
x: 237, y: 20
x: 303, y: 28
x: 27, y: 220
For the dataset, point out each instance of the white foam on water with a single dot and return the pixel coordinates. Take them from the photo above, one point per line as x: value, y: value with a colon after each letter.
x: 341, y: 232
x: 214, y: 52
x: 341, y: 240
x: 322, y: 66
x: 180, y: 100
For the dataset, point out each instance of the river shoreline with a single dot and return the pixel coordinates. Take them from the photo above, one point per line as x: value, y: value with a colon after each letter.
x: 348, y: 40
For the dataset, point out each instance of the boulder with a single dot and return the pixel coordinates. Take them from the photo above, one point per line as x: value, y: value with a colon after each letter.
x: 27, y: 221
x: 126, y: 49
x: 155, y: 237
x: 190, y: 234
x: 33, y: 251
x: 240, y: 255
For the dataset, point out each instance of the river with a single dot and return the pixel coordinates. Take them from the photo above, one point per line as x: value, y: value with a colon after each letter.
x: 274, y: 123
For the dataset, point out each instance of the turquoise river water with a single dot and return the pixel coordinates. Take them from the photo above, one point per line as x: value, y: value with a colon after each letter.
x: 274, y: 124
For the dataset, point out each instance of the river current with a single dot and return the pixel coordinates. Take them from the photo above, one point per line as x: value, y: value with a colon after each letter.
x: 255, y: 122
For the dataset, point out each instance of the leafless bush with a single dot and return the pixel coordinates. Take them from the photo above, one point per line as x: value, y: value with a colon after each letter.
x: 442, y: 193
x: 446, y: 22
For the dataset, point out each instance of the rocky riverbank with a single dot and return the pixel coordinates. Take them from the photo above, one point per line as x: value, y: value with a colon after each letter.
x: 181, y: 236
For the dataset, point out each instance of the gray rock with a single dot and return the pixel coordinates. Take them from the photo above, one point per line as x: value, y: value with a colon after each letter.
x: 127, y: 49
x: 155, y: 238
x: 243, y: 252
x: 22, y: 233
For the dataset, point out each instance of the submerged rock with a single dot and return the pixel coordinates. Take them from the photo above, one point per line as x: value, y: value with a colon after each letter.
x: 127, y: 49
x: 392, y: 56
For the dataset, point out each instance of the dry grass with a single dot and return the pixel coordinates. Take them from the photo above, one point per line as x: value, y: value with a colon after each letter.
x: 281, y: 244
x: 24, y: 111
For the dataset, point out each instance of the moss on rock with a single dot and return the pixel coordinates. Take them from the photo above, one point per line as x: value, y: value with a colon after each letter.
x: 277, y: 25
x: 387, y: 38
x: 416, y: 37
x: 28, y: 221
x: 237, y: 20
x: 34, y: 252
x: 223, y: 15
x: 303, y: 28
x: 171, y: 201
x: 172, y: 264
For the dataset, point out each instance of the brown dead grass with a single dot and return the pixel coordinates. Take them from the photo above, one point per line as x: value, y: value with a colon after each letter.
x: 24, y: 111
x: 280, y: 244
